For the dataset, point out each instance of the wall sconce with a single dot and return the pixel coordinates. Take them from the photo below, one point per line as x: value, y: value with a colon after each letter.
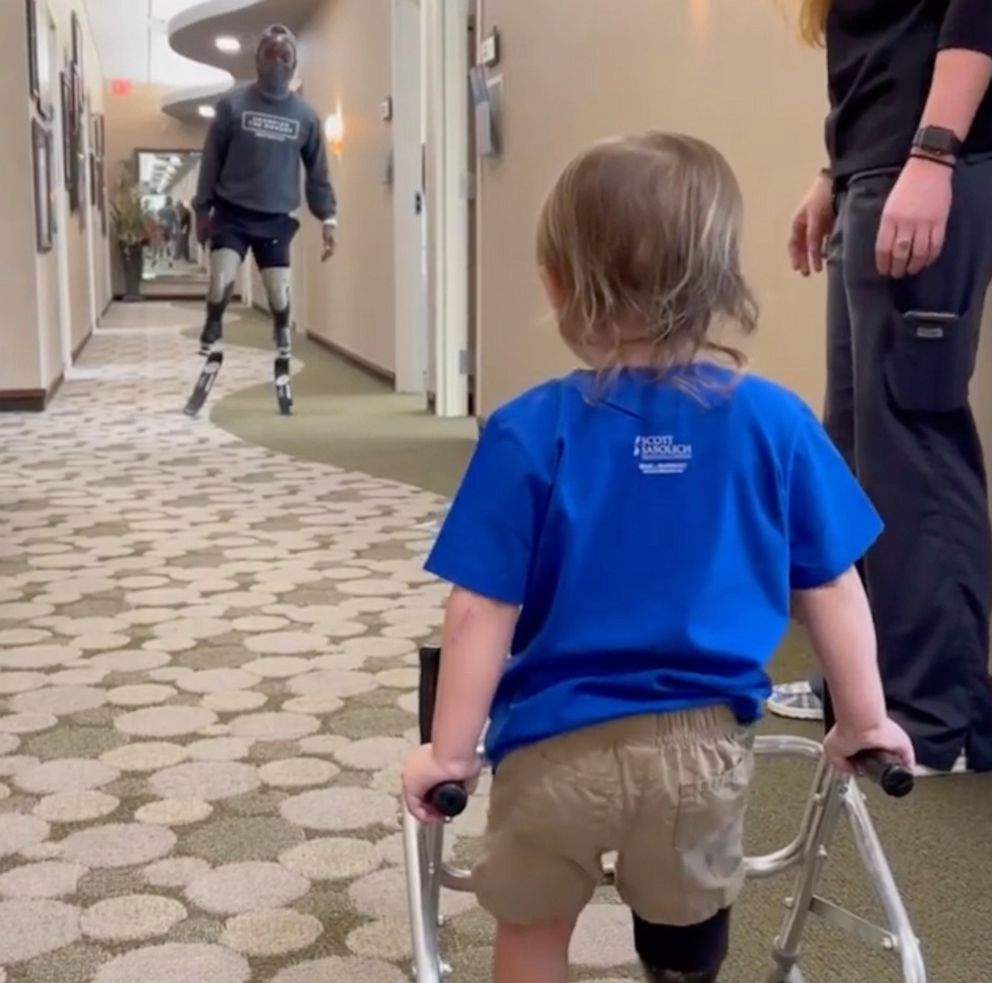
x: 334, y: 131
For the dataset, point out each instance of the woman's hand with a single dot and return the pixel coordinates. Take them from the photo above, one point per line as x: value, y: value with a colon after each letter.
x: 914, y: 222
x: 423, y: 772
x: 811, y: 226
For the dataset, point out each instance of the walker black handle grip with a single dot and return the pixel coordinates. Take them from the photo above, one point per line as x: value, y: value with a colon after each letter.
x: 887, y: 771
x: 449, y: 799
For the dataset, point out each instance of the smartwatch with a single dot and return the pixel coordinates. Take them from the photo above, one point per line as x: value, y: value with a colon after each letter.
x: 937, y: 140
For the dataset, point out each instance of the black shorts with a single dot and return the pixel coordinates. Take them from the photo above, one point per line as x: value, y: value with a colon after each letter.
x: 267, y: 236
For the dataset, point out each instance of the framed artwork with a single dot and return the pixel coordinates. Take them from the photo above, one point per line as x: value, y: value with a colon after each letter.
x: 66, y: 131
x: 96, y: 138
x: 102, y: 198
x: 77, y: 97
x: 33, y: 69
x: 77, y: 42
x: 75, y: 163
x: 41, y: 147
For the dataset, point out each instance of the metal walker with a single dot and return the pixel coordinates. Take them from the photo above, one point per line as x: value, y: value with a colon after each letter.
x: 832, y: 795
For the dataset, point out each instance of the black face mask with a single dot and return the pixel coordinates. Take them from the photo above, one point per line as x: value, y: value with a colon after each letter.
x: 274, y: 78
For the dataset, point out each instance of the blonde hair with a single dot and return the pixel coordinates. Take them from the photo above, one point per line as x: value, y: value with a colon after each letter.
x: 642, y: 234
x: 813, y: 21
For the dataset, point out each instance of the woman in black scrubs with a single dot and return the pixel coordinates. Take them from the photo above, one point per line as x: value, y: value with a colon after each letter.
x: 902, y: 219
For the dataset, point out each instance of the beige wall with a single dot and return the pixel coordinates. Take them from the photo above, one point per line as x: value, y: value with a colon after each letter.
x: 30, y: 334
x: 345, y: 58
x: 135, y: 121
x: 80, y: 239
x: 20, y: 366
x: 576, y: 71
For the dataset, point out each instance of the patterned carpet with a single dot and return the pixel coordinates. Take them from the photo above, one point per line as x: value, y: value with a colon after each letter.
x: 207, y: 659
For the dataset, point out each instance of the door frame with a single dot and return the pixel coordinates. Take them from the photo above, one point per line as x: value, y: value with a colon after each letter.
x: 412, y: 336
x: 86, y: 202
x: 447, y: 197
x: 62, y: 214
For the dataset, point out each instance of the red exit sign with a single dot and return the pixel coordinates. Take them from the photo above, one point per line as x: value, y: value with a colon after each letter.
x: 121, y: 87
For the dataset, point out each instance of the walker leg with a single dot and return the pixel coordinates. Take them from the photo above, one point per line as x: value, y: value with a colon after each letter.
x: 901, y: 936
x: 827, y: 805
x: 423, y: 846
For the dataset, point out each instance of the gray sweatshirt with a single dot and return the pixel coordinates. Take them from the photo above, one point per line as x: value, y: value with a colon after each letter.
x: 253, y: 152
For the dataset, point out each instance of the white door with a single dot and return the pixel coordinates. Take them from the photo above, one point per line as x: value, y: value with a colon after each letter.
x: 446, y: 65
x: 409, y: 237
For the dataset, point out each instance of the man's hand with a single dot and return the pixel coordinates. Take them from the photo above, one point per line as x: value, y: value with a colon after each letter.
x: 914, y: 222
x: 202, y: 227
x: 811, y: 225
x: 329, y: 243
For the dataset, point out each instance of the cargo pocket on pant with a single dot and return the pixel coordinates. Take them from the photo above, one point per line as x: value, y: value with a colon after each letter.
x: 709, y: 832
x: 929, y: 365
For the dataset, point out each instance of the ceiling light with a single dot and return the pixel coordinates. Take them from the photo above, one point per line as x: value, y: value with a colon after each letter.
x: 227, y: 44
x: 175, y: 161
x: 207, y: 112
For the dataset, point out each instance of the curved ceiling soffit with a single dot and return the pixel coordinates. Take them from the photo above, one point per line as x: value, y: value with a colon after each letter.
x: 193, y: 32
x: 185, y: 104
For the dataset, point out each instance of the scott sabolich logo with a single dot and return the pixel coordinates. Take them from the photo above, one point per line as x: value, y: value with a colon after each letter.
x: 661, y: 454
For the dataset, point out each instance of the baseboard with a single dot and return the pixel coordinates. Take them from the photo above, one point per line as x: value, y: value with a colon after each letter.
x: 155, y: 298
x: 356, y: 361
x: 29, y: 400
x: 23, y: 400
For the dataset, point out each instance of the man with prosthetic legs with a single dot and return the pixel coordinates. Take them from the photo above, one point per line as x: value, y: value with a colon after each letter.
x: 249, y: 189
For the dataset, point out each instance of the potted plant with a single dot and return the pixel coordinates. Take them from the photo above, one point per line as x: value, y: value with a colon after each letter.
x: 129, y: 230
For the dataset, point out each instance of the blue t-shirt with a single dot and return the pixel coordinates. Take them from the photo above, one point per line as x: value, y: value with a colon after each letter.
x: 652, y: 538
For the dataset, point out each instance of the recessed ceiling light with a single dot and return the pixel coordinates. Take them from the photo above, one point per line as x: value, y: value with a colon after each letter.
x: 207, y: 112
x: 229, y: 45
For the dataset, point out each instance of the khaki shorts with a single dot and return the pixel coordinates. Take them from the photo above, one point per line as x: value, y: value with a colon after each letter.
x: 667, y: 793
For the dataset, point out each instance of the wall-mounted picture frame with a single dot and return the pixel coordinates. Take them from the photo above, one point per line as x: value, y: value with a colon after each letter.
x: 66, y: 131
x: 33, y: 72
x: 77, y: 41
x: 93, y: 189
x: 39, y: 61
x: 41, y: 147
x: 97, y: 135
x: 102, y: 196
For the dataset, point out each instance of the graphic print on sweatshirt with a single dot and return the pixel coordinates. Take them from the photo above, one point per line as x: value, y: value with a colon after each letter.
x: 265, y: 126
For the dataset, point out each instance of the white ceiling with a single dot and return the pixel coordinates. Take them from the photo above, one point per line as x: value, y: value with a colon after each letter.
x: 132, y: 38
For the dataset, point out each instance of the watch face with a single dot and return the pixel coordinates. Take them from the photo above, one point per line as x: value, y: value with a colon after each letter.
x: 937, y: 140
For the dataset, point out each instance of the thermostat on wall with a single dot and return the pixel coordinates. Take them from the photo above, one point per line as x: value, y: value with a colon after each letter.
x: 489, y: 50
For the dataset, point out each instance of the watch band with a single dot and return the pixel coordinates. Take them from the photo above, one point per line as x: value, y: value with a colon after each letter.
x: 950, y: 162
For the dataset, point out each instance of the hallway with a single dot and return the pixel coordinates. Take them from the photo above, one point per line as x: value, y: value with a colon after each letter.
x: 207, y: 659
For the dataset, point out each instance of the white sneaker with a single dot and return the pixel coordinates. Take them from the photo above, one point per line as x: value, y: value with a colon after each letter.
x: 960, y: 767
x: 796, y: 701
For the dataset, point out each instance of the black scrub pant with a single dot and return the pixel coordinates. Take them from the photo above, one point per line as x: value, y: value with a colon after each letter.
x: 900, y: 355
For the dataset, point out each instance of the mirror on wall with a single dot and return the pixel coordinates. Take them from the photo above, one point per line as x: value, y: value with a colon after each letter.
x: 174, y: 263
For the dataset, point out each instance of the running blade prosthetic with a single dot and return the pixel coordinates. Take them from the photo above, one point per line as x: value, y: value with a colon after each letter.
x: 208, y: 376
x: 284, y: 390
